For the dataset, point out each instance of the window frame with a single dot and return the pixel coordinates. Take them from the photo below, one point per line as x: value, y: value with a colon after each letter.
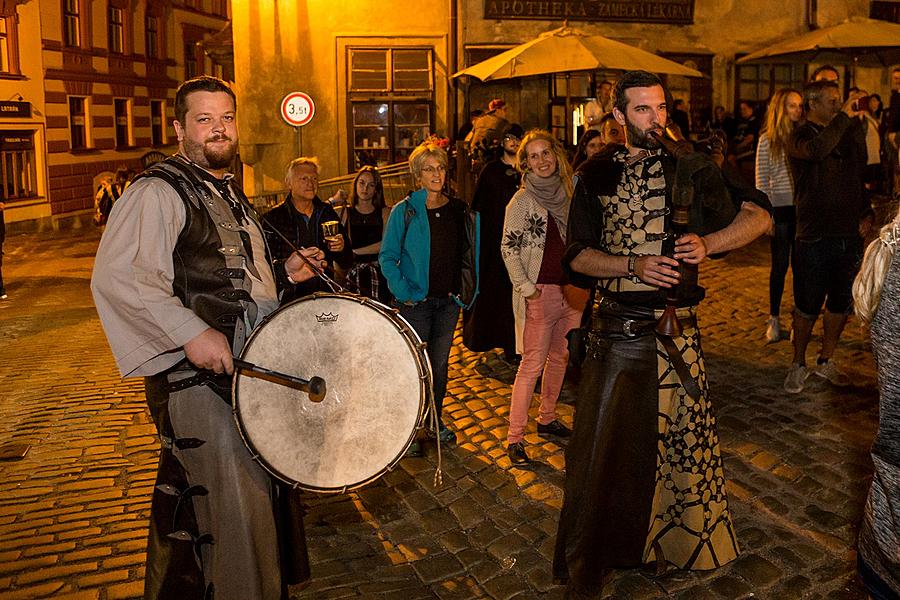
x: 163, y: 137
x: 765, y: 76
x: 390, y: 69
x: 129, y: 122
x: 24, y: 165
x: 115, y: 30
x: 151, y: 36
x: 9, y: 39
x: 392, y: 96
x: 86, y: 127
x: 71, y: 23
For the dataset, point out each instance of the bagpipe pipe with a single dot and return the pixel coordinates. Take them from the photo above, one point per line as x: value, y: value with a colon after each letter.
x: 682, y: 206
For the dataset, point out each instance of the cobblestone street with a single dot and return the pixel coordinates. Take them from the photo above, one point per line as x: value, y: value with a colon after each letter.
x: 73, y: 512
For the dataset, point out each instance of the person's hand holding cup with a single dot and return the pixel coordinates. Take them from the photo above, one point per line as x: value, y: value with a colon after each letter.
x: 332, y: 233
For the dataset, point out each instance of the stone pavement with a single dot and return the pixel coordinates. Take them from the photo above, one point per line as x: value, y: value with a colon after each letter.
x: 73, y: 512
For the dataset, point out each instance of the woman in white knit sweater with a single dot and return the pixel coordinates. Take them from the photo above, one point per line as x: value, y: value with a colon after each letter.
x: 773, y: 177
x: 534, y: 234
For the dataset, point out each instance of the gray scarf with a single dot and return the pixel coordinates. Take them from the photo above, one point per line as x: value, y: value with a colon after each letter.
x: 551, y: 194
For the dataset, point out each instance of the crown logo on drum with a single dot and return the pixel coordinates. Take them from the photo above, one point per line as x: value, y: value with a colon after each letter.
x: 327, y: 318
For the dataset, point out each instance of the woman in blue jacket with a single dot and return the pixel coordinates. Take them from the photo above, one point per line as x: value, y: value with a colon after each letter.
x: 428, y: 259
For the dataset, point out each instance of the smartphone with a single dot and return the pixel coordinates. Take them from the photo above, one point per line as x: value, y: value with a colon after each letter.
x: 861, y: 103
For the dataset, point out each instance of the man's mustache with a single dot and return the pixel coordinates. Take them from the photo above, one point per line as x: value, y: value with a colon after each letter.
x: 219, y: 138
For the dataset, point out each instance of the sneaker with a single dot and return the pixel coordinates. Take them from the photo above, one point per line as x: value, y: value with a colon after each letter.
x: 554, y: 427
x: 828, y: 370
x: 447, y: 436
x: 517, y: 454
x: 796, y: 378
x: 414, y: 450
x: 773, y: 330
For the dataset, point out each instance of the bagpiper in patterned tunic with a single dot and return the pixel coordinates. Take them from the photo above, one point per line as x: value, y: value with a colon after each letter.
x: 644, y: 476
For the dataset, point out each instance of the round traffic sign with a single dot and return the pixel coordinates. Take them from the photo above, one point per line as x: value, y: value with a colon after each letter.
x: 297, y: 109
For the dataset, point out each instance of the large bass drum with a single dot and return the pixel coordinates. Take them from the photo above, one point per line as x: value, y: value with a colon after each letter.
x: 378, y: 384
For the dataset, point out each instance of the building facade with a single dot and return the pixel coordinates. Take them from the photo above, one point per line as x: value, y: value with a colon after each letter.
x: 87, y: 86
x: 91, y: 85
x: 380, y: 74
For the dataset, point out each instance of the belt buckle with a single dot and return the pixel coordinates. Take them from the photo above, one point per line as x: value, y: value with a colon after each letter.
x: 626, y: 327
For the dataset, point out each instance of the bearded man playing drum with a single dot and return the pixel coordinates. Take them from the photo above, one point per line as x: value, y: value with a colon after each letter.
x: 183, y: 276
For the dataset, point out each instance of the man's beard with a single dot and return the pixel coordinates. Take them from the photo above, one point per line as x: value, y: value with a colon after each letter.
x: 641, y: 139
x: 205, y: 156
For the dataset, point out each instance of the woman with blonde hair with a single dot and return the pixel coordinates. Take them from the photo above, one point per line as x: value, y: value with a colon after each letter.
x: 876, y: 298
x: 429, y: 258
x: 774, y: 178
x: 534, y: 237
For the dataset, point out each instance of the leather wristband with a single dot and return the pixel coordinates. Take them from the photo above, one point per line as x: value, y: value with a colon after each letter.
x: 632, y: 259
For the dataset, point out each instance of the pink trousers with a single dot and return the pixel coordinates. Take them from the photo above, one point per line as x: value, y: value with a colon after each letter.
x: 547, y: 321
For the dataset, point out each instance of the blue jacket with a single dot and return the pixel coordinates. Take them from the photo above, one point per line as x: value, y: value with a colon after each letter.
x: 405, y: 254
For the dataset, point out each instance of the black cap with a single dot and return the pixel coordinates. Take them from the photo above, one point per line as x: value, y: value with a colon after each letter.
x: 516, y: 130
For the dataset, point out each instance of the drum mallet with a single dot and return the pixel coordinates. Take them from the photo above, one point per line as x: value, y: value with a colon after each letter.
x: 314, y: 386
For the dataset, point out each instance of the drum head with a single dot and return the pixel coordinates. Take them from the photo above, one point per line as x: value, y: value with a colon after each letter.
x: 376, y: 377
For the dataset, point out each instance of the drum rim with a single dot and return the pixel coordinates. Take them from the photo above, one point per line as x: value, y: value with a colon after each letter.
x: 425, y: 384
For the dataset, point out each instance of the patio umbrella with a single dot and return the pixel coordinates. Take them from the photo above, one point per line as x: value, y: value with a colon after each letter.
x: 858, y: 41
x: 569, y: 49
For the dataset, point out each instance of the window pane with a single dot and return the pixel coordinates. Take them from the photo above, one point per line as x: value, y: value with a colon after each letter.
x: 77, y: 122
x: 368, y: 70
x: 782, y: 73
x: 412, y: 124
x: 116, y: 30
x: 746, y: 72
x: 370, y: 114
x: 747, y: 91
x: 17, y: 165
x: 190, y: 61
x: 71, y: 31
x: 412, y: 70
x: 71, y: 34
x: 121, y: 110
x: 156, y: 122
x: 4, y: 47
x: 411, y: 114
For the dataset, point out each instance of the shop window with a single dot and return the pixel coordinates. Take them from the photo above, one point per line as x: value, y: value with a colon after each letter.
x: 72, y: 22
x: 78, y: 123
x: 385, y: 130
x: 116, y: 30
x: 158, y: 122
x: 122, y: 108
x: 18, y: 173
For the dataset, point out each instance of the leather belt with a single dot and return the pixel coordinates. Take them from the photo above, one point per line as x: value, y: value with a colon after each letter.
x: 632, y: 328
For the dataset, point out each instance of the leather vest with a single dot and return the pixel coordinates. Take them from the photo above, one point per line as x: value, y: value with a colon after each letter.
x: 211, y: 253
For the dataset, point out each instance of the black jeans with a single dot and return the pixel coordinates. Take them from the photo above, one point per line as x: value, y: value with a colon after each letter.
x: 782, y: 245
